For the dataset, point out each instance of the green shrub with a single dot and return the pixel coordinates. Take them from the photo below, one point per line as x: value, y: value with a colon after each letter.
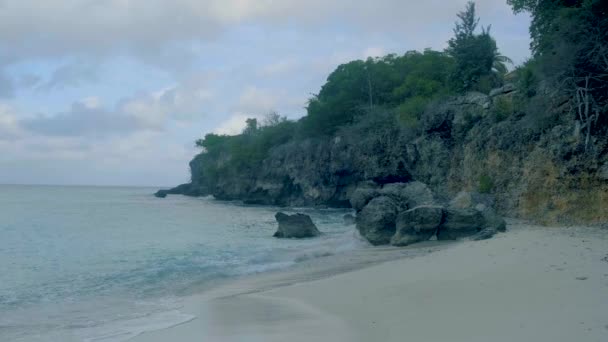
x: 486, y: 184
x: 502, y: 109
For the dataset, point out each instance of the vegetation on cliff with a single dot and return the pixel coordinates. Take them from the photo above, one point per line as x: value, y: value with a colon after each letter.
x: 536, y: 138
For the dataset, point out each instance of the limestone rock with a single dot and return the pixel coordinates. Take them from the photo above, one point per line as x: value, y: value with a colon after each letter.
x: 409, y: 195
x: 461, y: 223
x: 506, y: 89
x: 417, y: 224
x: 298, y: 226
x: 361, y: 197
x: 376, y: 221
x: 349, y: 219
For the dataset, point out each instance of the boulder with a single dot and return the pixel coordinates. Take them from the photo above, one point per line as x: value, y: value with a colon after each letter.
x: 298, y: 226
x: 466, y: 200
x: 417, y: 224
x: 493, y: 220
x: 349, y: 219
x: 484, y: 234
x: 482, y: 203
x: 461, y: 223
x: 506, y: 89
x: 376, y: 221
x: 409, y: 195
x: 361, y: 196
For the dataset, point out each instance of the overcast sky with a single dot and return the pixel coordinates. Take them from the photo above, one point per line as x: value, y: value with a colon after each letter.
x: 115, y: 92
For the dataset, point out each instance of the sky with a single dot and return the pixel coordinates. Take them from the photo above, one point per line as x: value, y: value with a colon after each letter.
x: 115, y: 92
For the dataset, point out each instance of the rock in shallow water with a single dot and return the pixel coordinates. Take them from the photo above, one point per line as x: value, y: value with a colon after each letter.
x: 298, y: 226
x: 376, y: 222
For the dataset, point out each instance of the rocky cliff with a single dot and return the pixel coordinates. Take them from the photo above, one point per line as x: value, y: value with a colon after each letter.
x: 533, y: 167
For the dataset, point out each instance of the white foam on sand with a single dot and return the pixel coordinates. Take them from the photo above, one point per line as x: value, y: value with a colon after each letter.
x: 124, y: 330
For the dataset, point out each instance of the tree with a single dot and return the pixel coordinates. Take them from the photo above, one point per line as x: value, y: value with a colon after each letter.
x: 251, y: 126
x: 476, y: 55
x: 570, y: 43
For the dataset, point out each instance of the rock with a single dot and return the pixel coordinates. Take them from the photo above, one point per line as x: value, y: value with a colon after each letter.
x: 349, y: 219
x: 482, y: 203
x: 485, y: 234
x: 473, y: 98
x: 466, y: 200
x: 298, y: 226
x: 361, y: 196
x: 506, y: 89
x: 417, y: 224
x: 603, y: 172
x: 183, y: 189
x: 409, y: 195
x: 461, y: 223
x: 376, y: 221
x: 493, y: 220
x: 161, y: 193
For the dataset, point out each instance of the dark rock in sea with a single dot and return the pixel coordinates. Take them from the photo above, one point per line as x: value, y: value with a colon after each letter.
x: 417, y: 224
x: 161, y: 194
x: 184, y: 189
x: 461, y: 223
x: 349, y: 219
x: 298, y: 226
x: 376, y: 222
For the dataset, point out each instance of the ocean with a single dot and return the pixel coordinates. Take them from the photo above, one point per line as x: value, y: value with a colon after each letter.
x: 108, y: 263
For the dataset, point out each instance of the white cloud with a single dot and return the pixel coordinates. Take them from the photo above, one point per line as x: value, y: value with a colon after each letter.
x: 373, y: 52
x: 9, y: 126
x: 257, y: 101
x: 152, y: 27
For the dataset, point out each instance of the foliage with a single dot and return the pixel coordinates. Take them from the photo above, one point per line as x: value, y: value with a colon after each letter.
x: 486, y: 184
x: 476, y: 56
x: 570, y: 44
x: 357, y: 88
x: 502, y: 109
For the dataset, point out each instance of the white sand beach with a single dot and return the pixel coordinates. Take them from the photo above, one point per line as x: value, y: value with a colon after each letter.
x: 540, y: 284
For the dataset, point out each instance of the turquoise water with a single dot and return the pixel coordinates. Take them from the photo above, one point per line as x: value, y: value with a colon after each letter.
x: 104, y: 264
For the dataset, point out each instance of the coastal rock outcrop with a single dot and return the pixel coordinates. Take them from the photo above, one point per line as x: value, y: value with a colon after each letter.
x: 417, y: 224
x: 183, y: 189
x: 528, y: 164
x: 297, y: 226
x: 376, y: 221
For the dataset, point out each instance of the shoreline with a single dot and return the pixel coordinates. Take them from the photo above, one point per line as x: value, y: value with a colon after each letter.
x: 532, y: 283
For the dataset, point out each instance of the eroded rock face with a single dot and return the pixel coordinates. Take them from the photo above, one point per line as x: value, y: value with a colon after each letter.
x: 417, y: 224
x: 376, y: 221
x: 298, y: 226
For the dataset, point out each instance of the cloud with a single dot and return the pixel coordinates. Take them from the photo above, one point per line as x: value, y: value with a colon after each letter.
x: 151, y: 28
x: 7, y: 86
x: 234, y: 125
x: 144, y: 112
x: 9, y: 125
x: 71, y: 75
x: 256, y: 101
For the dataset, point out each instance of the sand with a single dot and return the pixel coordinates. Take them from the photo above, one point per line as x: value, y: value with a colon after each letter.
x: 529, y: 284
